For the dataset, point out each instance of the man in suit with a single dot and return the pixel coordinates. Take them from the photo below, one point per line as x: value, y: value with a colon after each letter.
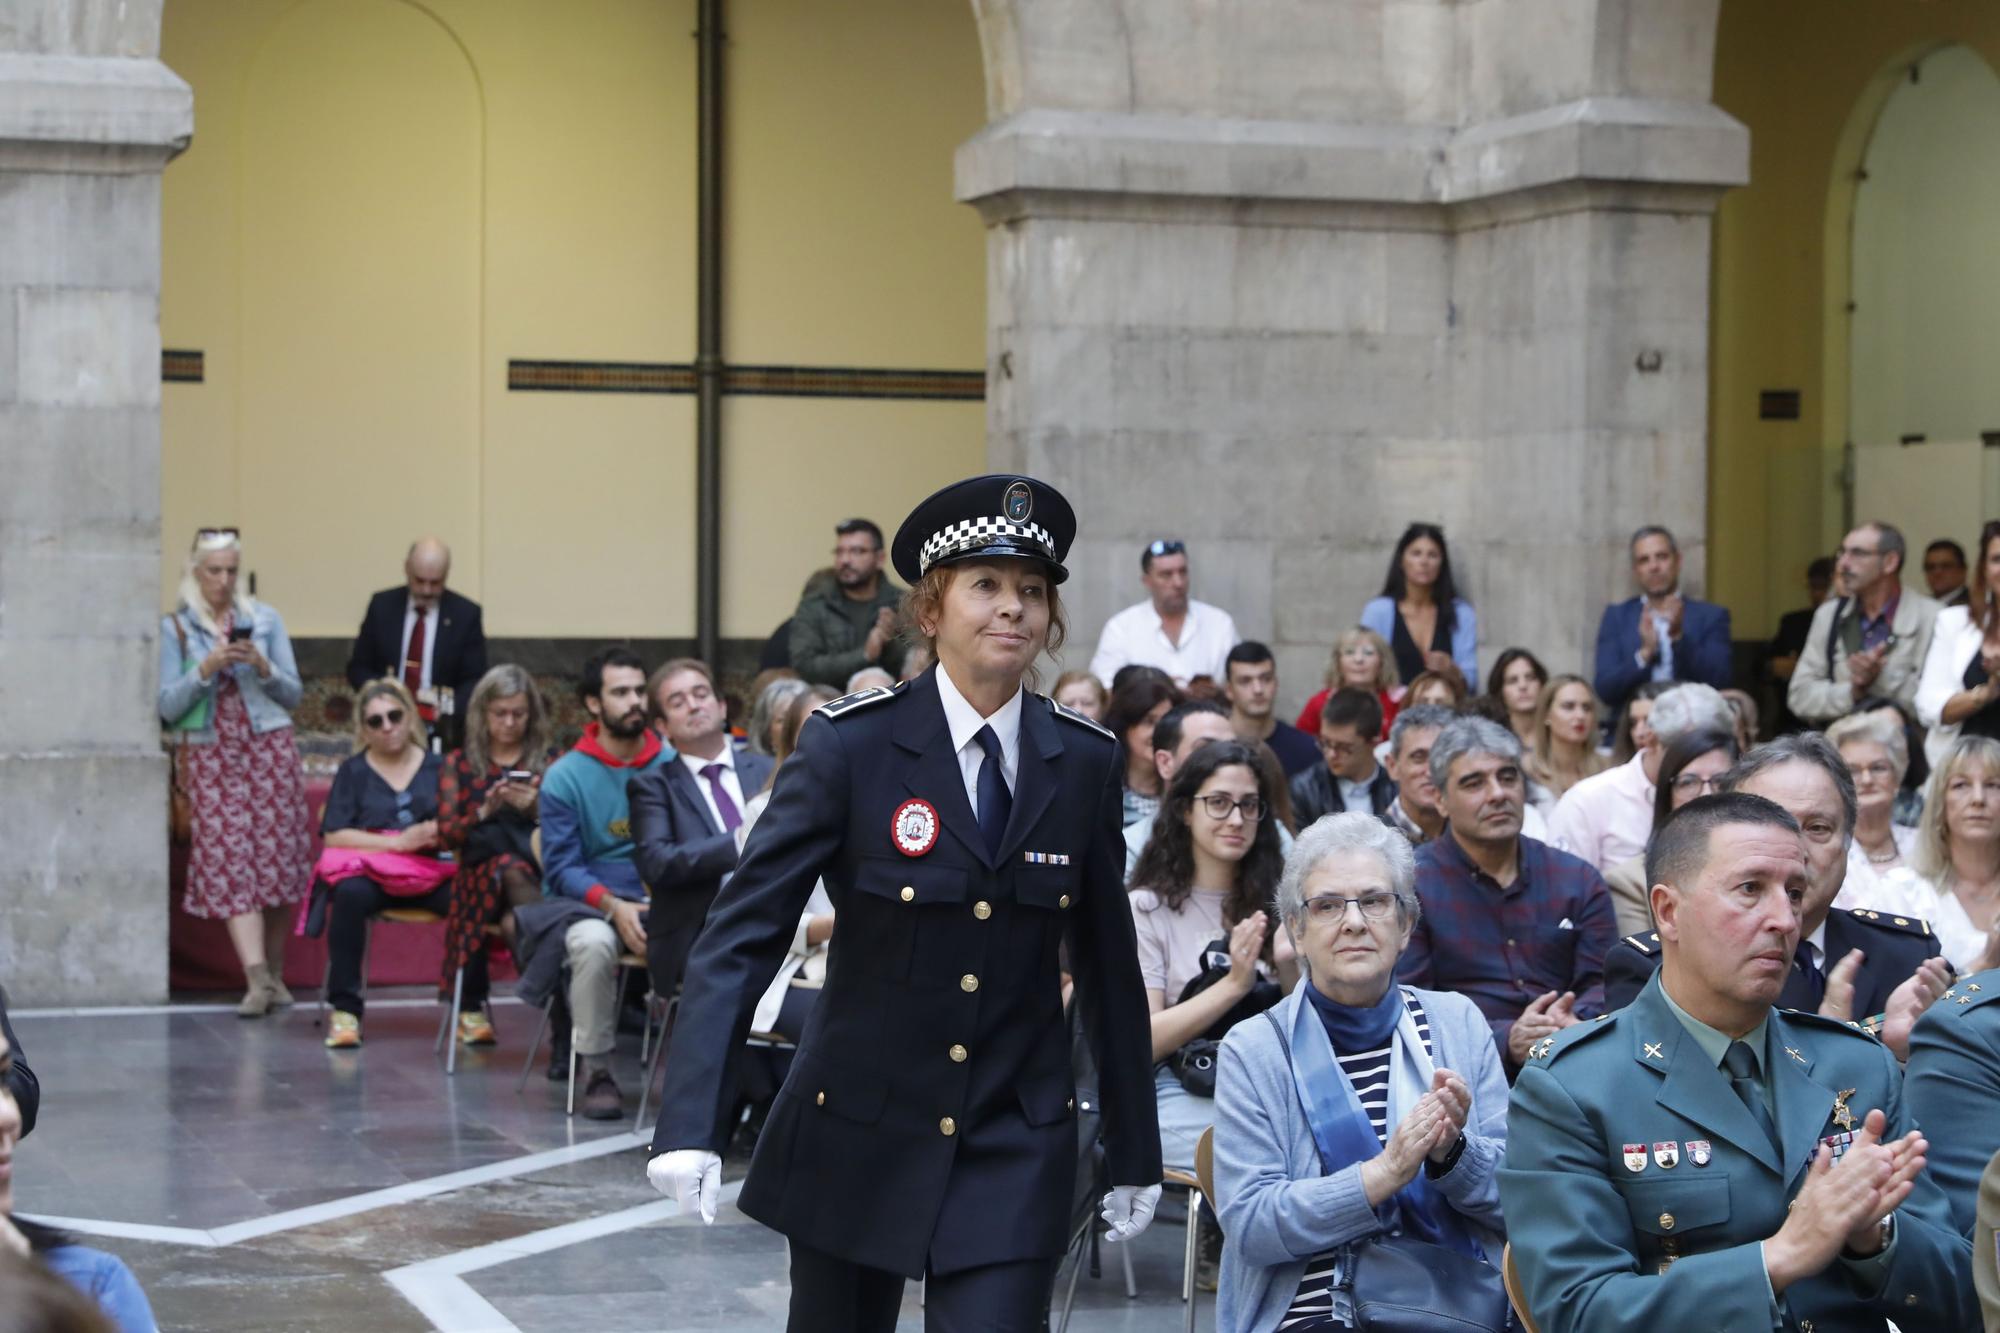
x: 1700, y: 1159
x: 686, y: 815
x: 422, y: 633
x: 1659, y: 635
x: 1953, y: 1083
x: 1876, y: 968
x: 1869, y: 642
x: 1347, y: 778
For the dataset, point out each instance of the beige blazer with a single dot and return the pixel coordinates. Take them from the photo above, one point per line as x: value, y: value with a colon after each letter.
x: 1822, y: 691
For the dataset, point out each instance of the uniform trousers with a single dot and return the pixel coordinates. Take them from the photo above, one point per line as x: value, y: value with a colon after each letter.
x: 831, y: 1295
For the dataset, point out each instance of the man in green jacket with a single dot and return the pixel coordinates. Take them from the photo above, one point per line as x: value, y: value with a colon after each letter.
x: 1654, y: 1157
x: 847, y: 618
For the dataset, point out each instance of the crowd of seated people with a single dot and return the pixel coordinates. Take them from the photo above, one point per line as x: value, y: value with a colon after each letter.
x: 1450, y: 874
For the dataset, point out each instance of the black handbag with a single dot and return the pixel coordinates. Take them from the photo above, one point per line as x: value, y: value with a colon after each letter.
x: 507, y: 832
x: 1194, y: 1063
x: 1399, y: 1284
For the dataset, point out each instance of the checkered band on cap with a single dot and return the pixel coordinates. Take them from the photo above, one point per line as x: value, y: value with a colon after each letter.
x: 973, y: 533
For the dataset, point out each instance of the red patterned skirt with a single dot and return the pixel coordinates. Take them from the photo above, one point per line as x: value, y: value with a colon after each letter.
x: 252, y: 845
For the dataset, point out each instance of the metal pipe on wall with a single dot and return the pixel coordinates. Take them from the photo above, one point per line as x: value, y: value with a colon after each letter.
x: 709, y: 37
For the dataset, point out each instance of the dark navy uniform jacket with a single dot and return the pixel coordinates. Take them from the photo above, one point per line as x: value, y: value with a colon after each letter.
x: 929, y: 1118
x: 1893, y: 947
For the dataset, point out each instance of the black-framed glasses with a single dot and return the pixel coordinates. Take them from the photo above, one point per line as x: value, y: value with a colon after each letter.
x: 1325, y: 907
x: 1219, y: 804
x: 1694, y: 784
x: 384, y: 721
x: 1166, y: 546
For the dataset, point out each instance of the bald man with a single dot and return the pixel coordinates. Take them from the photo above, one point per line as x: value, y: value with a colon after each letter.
x: 422, y: 633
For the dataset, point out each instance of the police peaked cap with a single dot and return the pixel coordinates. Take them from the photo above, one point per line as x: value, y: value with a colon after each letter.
x: 984, y: 518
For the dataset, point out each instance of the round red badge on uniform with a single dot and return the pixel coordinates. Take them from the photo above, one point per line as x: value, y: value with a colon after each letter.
x: 915, y: 827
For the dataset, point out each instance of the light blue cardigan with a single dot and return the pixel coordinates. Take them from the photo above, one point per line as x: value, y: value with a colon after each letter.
x: 1380, y: 616
x: 269, y: 702
x: 1278, y: 1211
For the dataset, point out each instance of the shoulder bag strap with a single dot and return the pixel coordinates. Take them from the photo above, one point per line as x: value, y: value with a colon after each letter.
x: 1833, y: 634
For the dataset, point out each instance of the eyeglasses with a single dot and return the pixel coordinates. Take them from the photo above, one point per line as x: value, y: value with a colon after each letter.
x: 1688, y: 784
x: 1219, y: 805
x: 1858, y: 552
x: 1333, y: 907
x: 1338, y: 749
x: 1166, y: 547
x: 1881, y: 770
x: 384, y: 721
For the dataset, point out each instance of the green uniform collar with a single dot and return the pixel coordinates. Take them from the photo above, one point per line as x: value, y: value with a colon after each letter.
x: 1715, y: 1043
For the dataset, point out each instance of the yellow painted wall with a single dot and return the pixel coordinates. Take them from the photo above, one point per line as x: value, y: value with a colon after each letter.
x: 387, y: 201
x: 1809, y: 78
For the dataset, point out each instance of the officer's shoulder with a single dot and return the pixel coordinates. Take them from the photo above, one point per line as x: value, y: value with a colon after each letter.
x: 1646, y: 942
x: 848, y: 705
x: 1551, y: 1048
x: 1820, y: 1023
x: 1869, y: 918
x: 1071, y: 715
x: 1969, y: 995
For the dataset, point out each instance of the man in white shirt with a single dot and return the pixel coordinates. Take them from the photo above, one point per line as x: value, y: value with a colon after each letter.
x: 1182, y: 637
x: 1608, y: 818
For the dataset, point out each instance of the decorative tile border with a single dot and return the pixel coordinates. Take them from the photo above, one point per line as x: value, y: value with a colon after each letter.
x: 749, y: 381
x: 180, y: 365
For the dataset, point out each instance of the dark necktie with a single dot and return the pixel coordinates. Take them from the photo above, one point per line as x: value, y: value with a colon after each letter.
x: 1742, y: 1066
x: 413, y: 656
x: 1807, y: 962
x: 732, y: 818
x: 995, y: 801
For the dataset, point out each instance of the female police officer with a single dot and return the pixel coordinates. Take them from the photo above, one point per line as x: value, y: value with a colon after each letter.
x: 964, y: 828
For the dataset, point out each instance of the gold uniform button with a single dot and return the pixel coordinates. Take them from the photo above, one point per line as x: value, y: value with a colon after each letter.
x: 957, y: 1053
x: 982, y: 910
x: 909, y: 894
x: 1666, y: 1221
x: 1063, y: 901
x: 1902, y: 921
x: 968, y: 983
x: 820, y: 1100
x: 947, y: 1127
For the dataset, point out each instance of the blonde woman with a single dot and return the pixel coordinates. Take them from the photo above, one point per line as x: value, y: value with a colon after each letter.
x: 1958, y: 853
x: 1563, y: 746
x: 1361, y: 661
x: 227, y: 688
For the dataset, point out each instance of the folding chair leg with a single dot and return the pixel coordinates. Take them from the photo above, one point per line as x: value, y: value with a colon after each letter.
x: 535, y: 1046
x: 652, y: 1065
x: 572, y: 1071
x: 1187, y: 1265
x: 445, y: 1033
x: 1131, y: 1284
x: 325, y: 980
x: 1075, y: 1272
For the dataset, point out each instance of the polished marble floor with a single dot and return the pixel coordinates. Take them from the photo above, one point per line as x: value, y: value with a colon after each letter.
x: 255, y: 1181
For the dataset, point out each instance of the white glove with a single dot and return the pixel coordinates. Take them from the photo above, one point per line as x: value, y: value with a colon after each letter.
x: 691, y: 1177
x: 1129, y: 1209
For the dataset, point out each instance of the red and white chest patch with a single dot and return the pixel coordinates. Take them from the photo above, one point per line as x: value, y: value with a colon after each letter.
x: 914, y: 829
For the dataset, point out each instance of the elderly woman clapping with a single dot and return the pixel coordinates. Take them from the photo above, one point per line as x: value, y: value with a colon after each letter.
x: 1341, y: 1116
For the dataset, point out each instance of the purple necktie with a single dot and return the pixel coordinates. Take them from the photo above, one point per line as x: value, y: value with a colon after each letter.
x: 732, y: 818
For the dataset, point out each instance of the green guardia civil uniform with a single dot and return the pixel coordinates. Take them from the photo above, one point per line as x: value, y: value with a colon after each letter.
x: 1953, y: 1082
x: 1639, y: 1185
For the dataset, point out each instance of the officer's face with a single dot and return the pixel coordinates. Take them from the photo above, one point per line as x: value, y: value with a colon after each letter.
x: 1730, y: 936
x: 1350, y: 956
x: 994, y: 618
x: 1807, y: 794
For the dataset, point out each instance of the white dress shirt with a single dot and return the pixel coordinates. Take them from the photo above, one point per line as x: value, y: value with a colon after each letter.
x: 964, y: 722
x: 1137, y: 634
x: 430, y: 642
x: 730, y: 783
x: 1607, y: 817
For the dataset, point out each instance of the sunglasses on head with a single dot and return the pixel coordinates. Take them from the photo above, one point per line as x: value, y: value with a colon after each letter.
x: 1167, y: 546
x: 383, y: 721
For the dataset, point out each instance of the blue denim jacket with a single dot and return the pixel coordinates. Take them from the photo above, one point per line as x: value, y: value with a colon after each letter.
x: 269, y: 702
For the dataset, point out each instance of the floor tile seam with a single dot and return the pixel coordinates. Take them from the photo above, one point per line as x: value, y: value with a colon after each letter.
x: 137, y: 1010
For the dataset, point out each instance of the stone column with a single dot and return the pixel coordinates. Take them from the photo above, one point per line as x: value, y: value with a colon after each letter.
x: 88, y: 117
x: 1281, y: 282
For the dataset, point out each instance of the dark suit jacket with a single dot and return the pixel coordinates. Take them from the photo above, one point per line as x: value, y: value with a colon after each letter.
x: 1890, y: 954
x: 929, y: 1116
x: 460, y: 647
x: 682, y: 854
x: 1316, y: 793
x: 1701, y: 653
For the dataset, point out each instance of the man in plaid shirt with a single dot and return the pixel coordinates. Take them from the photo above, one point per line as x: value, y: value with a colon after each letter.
x: 1516, y: 926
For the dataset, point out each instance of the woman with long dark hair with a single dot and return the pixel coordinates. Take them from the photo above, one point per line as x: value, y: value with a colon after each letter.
x: 1206, y: 878
x: 1428, y: 625
x: 1142, y: 700
x: 1516, y: 681
x: 967, y: 833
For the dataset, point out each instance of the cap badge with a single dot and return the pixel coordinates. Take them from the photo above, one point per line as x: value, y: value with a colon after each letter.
x: 1018, y: 503
x: 914, y: 830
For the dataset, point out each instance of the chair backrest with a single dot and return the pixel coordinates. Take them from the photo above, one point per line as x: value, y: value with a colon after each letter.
x: 1204, y: 1165
x: 1515, y: 1296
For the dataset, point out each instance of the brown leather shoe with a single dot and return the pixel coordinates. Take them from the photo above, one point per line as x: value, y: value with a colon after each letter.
x: 601, y: 1098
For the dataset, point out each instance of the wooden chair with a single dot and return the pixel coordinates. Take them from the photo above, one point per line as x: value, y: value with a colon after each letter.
x: 1200, y: 1185
x: 408, y: 916
x: 1515, y: 1296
